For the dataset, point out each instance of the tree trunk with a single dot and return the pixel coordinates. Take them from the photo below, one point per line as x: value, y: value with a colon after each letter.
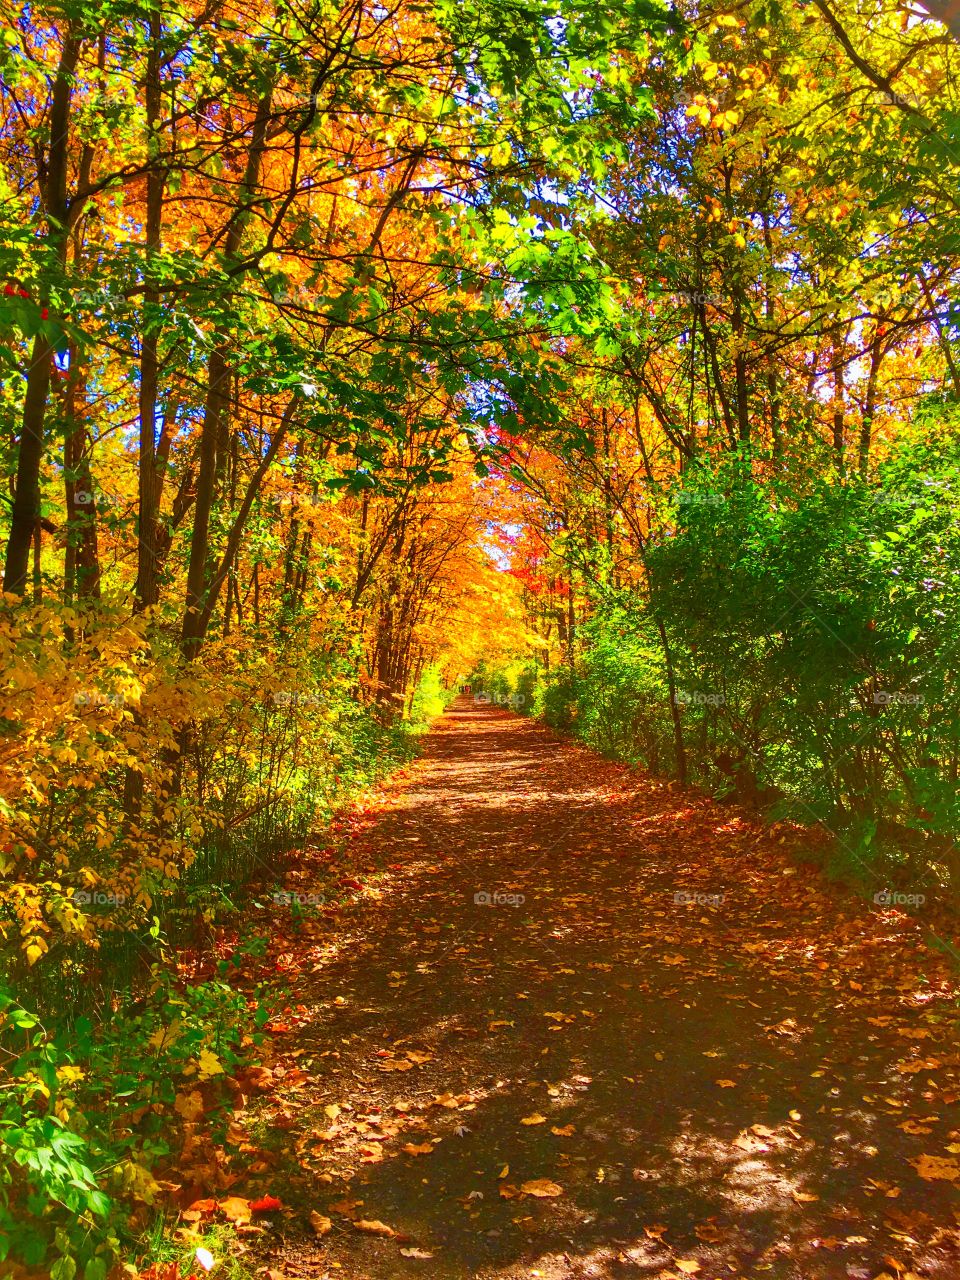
x: 81, y: 558
x: 218, y: 376
x: 870, y: 403
x: 147, y: 590
x: 26, y: 502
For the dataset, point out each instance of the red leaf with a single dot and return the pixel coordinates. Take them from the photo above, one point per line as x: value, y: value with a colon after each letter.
x: 266, y: 1204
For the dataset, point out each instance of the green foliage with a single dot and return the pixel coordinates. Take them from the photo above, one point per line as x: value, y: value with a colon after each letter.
x: 429, y: 698
x: 88, y: 1108
x: 811, y: 631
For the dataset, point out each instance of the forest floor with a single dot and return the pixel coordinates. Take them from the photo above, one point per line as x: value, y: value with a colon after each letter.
x: 668, y: 1050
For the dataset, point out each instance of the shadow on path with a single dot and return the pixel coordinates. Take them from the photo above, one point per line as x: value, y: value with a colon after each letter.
x: 744, y: 1064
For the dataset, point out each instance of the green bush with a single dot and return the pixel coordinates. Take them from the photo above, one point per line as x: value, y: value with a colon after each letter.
x: 88, y: 1108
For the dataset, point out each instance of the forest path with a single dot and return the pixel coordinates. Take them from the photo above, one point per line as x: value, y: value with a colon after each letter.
x: 604, y: 1079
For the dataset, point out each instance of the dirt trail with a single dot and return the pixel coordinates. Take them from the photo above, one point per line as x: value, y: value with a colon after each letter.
x: 748, y: 1084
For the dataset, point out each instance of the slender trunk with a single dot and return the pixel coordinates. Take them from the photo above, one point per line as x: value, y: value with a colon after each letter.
x: 235, y: 536
x: 571, y: 618
x: 81, y: 557
x: 218, y: 376
x: 37, y: 557
x: 870, y: 403
x: 740, y: 369
x: 711, y: 347
x: 942, y: 336
x: 26, y: 501
x: 147, y: 588
x: 773, y: 386
x: 678, y: 745
x: 838, y: 397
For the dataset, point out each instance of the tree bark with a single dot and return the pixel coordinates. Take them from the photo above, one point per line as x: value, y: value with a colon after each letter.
x: 26, y: 501
x: 147, y: 589
x: 218, y: 376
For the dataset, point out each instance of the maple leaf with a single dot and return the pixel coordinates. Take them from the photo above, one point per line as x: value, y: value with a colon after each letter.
x: 189, y: 1105
x: 208, y: 1065
x: 936, y: 1168
x: 542, y: 1188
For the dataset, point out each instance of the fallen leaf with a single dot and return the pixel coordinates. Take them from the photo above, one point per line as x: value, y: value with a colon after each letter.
x: 198, y: 1208
x: 320, y: 1222
x: 189, y: 1105
x: 536, y: 1118
x: 373, y: 1227
x: 914, y: 1126
x: 542, y: 1188
x: 936, y: 1168
x: 236, y: 1209
x: 266, y: 1204
x: 346, y: 1207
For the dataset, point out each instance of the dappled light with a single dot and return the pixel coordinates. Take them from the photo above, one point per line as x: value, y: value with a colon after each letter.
x: 582, y: 1069
x: 480, y: 640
